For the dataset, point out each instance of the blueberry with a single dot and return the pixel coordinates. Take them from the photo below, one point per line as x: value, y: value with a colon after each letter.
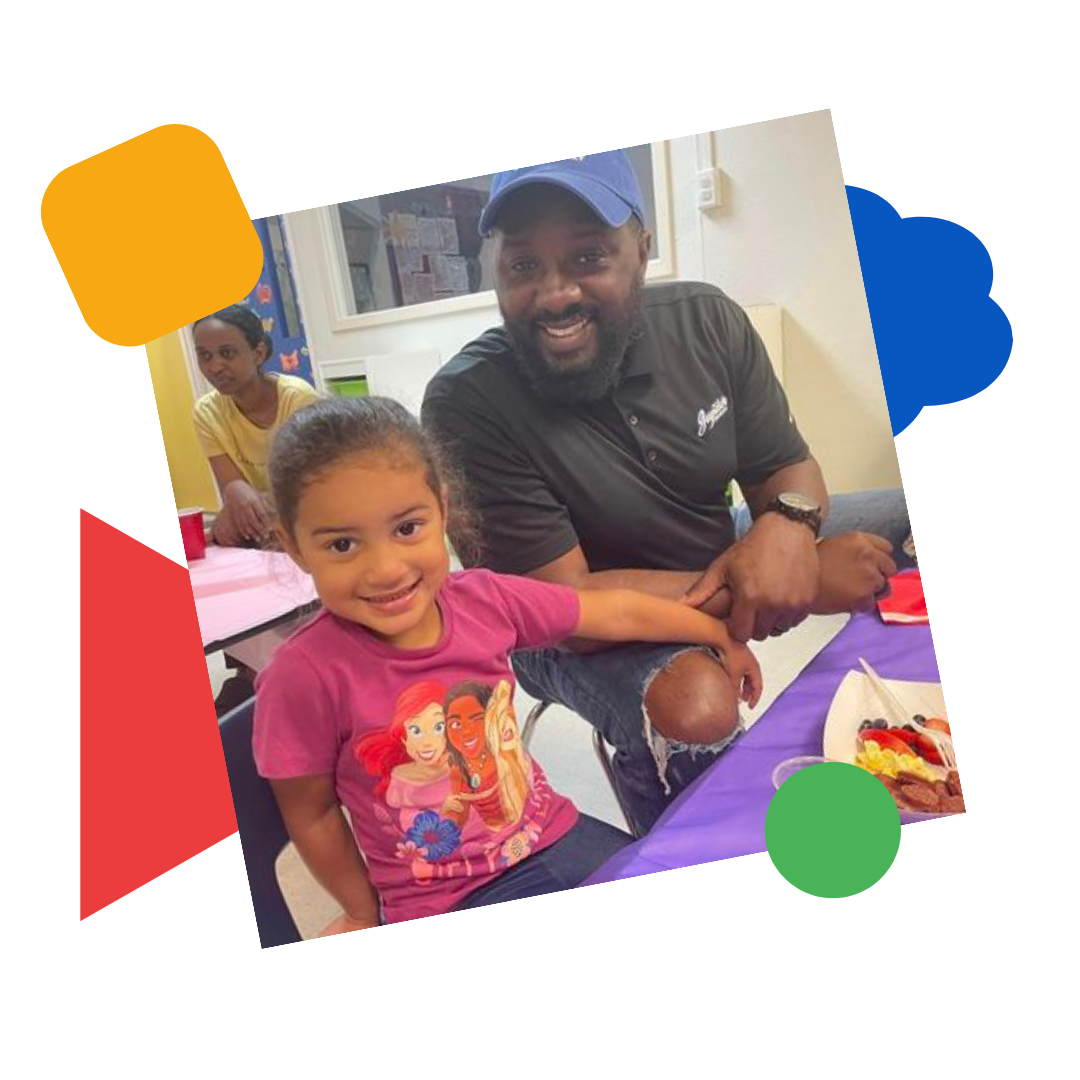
x: 911, y: 728
x: 880, y: 725
x: 919, y: 718
x: 864, y: 725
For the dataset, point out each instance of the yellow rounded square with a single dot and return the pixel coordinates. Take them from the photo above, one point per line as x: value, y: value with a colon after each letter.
x: 151, y: 234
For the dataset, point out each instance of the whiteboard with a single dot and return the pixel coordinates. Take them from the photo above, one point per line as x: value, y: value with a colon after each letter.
x: 402, y: 376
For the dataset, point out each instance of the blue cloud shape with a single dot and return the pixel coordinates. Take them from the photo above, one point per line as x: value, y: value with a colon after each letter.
x: 940, y: 338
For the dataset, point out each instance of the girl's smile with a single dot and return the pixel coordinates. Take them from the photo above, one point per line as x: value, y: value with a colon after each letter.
x: 395, y: 602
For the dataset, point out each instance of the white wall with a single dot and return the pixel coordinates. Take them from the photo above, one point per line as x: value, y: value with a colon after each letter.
x: 782, y: 236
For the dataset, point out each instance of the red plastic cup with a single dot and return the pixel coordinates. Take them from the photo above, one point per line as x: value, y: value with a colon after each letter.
x: 191, y: 529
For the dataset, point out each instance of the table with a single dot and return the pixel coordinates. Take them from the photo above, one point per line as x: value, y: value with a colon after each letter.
x: 722, y: 814
x: 241, y: 592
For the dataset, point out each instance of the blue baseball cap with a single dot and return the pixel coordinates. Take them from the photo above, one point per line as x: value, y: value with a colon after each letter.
x: 604, y: 182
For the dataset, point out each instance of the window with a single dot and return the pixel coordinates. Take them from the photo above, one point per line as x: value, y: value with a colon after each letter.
x: 415, y: 247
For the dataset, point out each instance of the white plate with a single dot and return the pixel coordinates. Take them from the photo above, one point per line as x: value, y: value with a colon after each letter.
x: 856, y: 701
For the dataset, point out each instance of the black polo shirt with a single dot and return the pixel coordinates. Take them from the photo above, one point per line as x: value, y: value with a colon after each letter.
x: 638, y: 479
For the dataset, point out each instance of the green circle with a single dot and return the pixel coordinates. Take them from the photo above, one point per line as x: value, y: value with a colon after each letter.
x: 832, y: 829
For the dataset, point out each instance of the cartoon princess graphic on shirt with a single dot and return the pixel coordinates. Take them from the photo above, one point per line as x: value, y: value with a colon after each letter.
x: 489, y: 769
x: 512, y: 764
x: 474, y: 776
x: 452, y: 779
x: 519, y: 783
x: 409, y: 761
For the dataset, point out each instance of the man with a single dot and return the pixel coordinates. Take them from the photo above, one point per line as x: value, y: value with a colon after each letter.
x: 598, y: 430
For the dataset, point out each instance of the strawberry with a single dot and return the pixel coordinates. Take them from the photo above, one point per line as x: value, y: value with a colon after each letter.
x: 927, y: 750
x: 909, y: 737
x: 886, y: 740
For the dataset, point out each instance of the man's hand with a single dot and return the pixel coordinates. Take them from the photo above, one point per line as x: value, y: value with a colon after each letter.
x: 744, y: 671
x: 772, y: 575
x: 855, y: 569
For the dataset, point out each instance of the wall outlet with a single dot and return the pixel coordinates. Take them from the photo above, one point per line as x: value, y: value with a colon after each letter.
x: 708, y: 189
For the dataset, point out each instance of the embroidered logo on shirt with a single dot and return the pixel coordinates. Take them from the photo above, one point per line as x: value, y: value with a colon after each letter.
x: 707, y: 418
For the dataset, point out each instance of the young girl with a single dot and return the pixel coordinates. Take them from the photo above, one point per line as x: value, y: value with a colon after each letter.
x: 362, y: 506
x: 235, y: 422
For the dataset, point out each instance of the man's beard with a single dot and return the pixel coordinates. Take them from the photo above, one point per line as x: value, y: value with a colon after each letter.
x: 615, y: 333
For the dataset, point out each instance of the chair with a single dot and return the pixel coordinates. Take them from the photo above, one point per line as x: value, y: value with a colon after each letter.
x: 599, y: 745
x: 262, y: 832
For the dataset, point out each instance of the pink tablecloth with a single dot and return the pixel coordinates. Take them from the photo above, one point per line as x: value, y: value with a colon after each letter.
x: 238, y: 591
x: 722, y: 814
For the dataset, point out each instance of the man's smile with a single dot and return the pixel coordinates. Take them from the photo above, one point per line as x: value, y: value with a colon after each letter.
x: 566, y: 335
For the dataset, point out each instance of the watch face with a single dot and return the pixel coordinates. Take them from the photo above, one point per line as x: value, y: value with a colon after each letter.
x: 799, y: 502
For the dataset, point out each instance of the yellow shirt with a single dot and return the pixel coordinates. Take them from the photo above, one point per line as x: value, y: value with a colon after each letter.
x: 223, y: 430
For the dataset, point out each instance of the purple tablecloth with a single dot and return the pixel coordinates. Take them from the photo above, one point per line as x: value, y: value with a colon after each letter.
x: 722, y: 814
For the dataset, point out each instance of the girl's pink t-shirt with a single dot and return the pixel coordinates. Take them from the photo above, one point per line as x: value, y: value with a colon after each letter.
x: 488, y: 804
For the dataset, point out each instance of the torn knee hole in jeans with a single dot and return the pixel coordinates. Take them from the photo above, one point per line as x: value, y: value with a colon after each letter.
x: 663, y: 748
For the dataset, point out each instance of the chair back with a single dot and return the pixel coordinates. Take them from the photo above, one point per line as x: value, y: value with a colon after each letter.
x: 262, y: 832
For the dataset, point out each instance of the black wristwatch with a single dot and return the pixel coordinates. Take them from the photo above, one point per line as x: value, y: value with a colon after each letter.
x: 797, y: 507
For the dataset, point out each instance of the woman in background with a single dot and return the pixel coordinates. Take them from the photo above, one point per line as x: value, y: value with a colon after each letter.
x: 235, y: 424
x: 236, y: 421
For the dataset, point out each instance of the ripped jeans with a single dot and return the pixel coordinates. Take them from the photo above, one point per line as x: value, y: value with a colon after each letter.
x: 608, y: 689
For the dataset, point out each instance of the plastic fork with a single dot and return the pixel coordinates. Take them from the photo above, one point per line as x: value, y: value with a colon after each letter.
x: 901, y: 717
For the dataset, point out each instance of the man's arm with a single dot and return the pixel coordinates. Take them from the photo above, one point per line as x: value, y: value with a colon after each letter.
x: 802, y: 478
x: 842, y: 573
